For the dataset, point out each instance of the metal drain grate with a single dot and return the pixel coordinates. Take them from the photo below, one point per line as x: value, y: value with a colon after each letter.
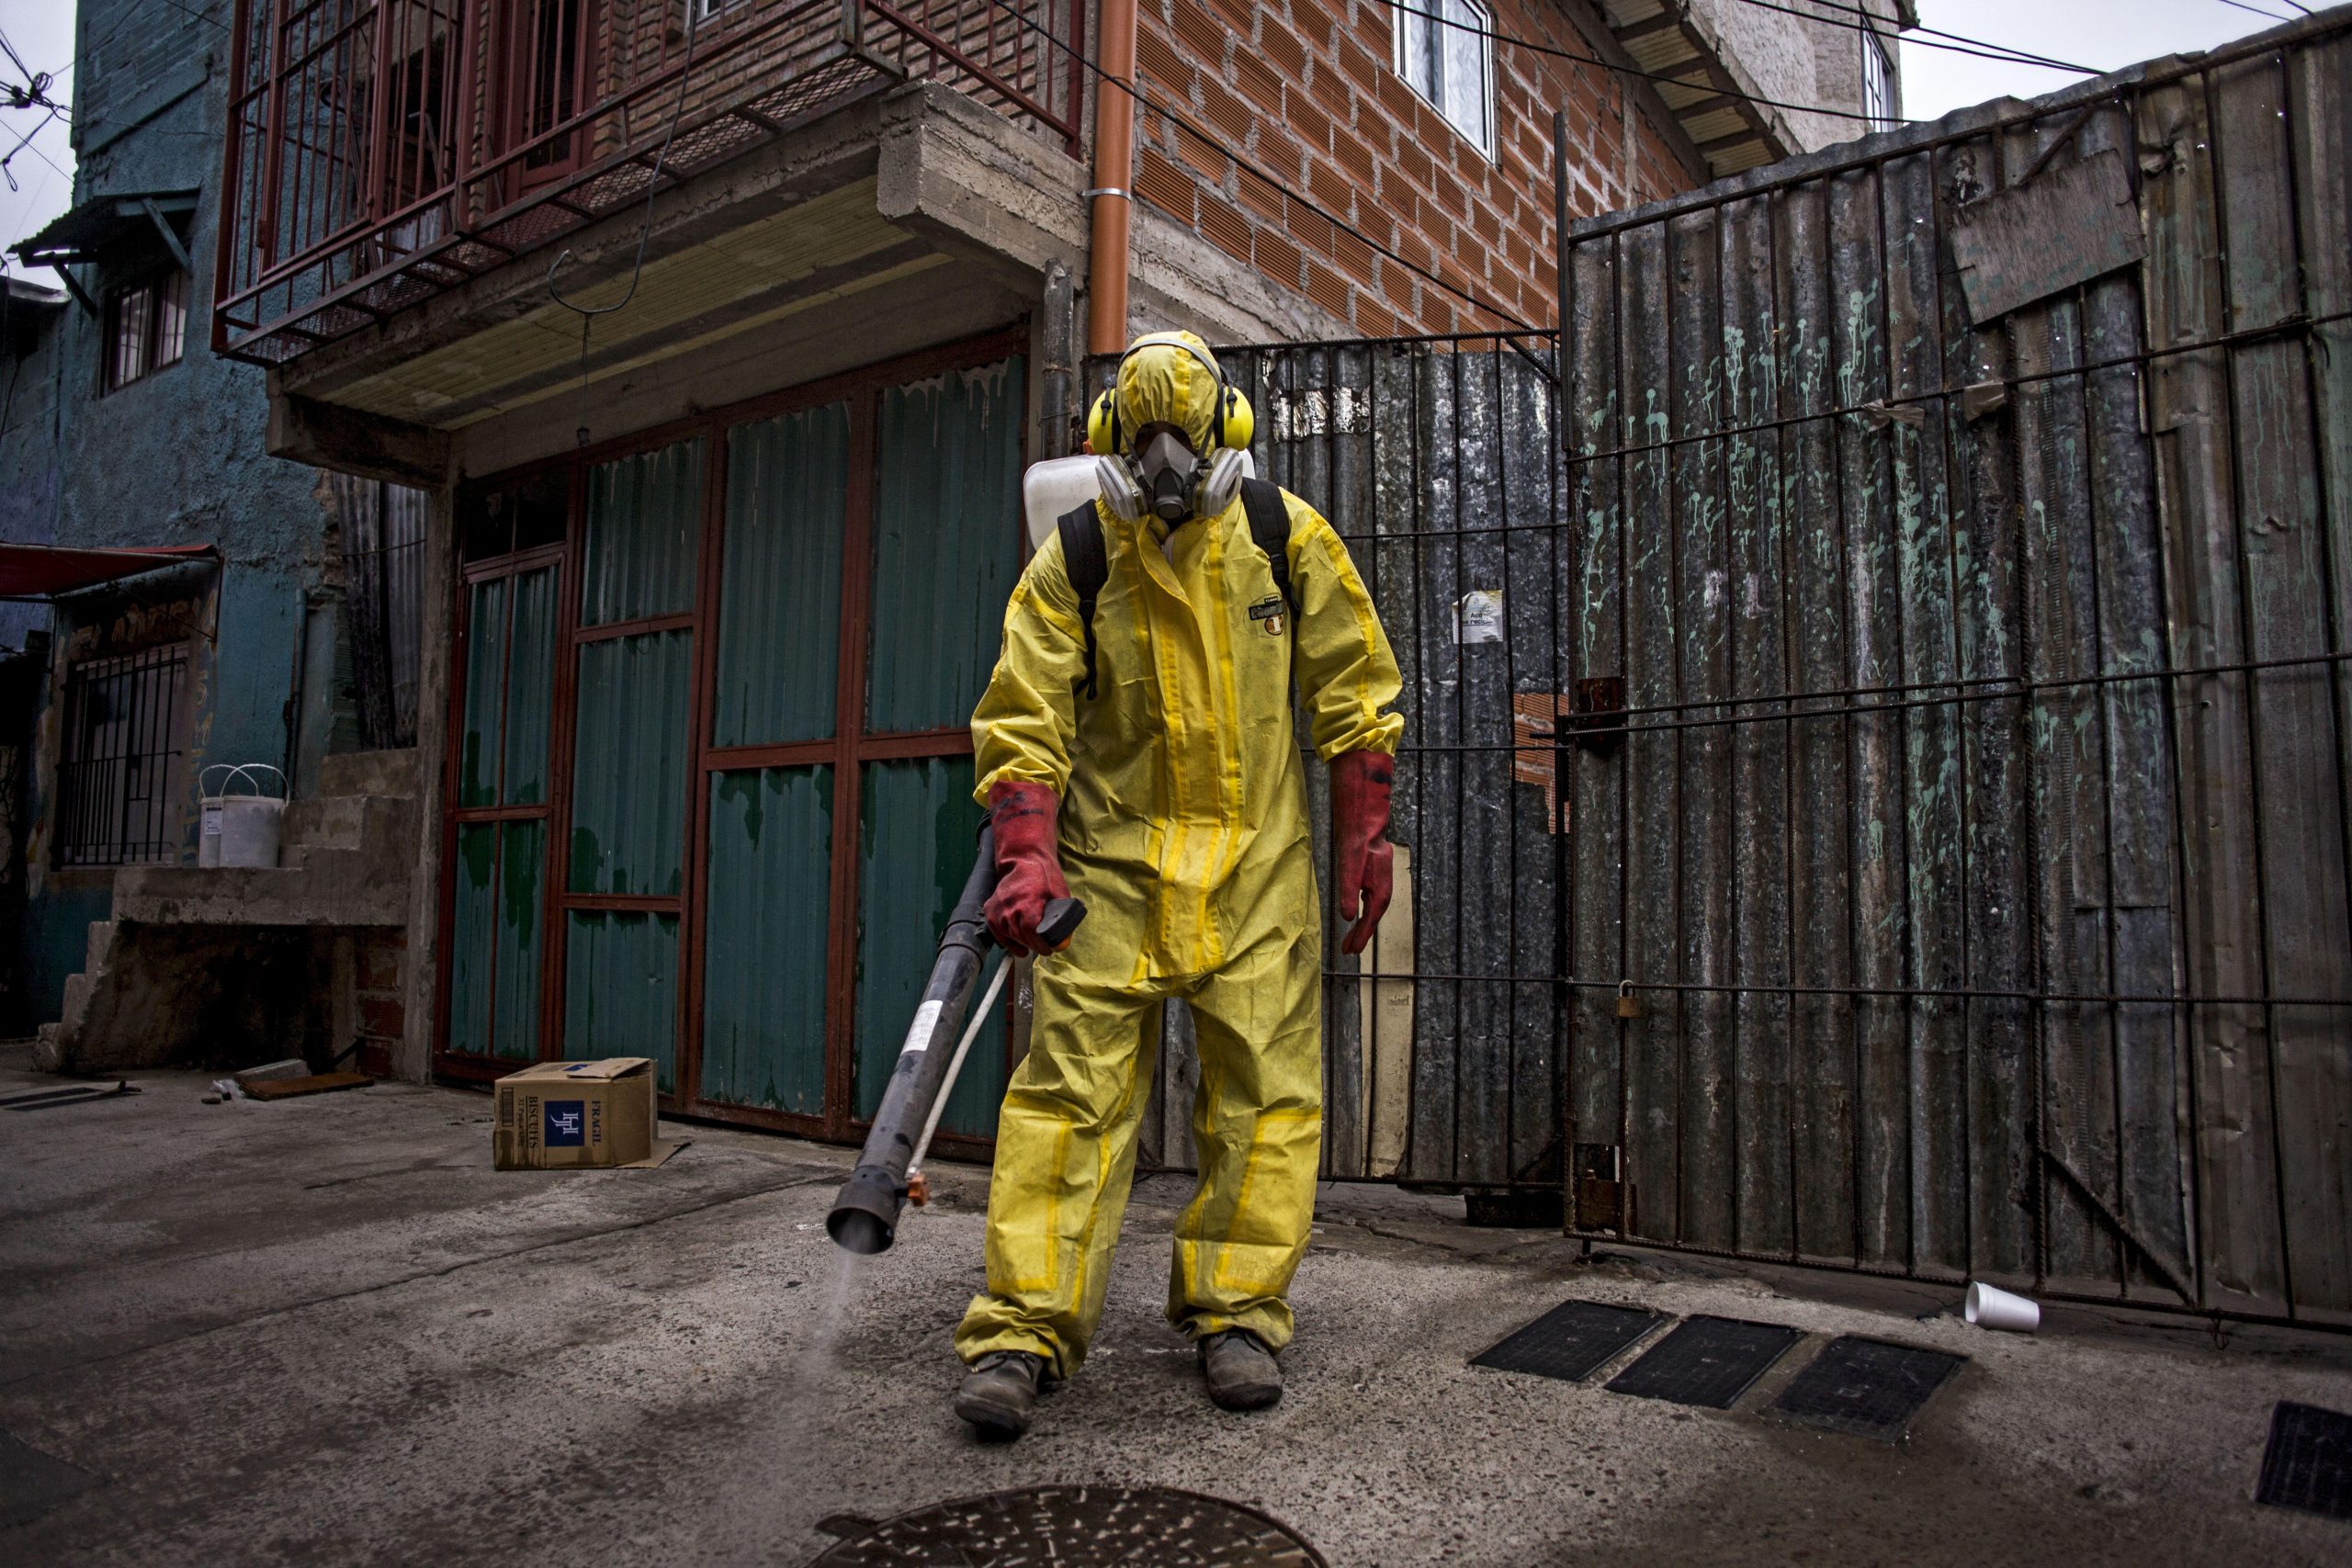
x: 2309, y: 1463
x: 1571, y: 1342
x: 1708, y: 1361
x: 1046, y: 1525
x: 1867, y: 1388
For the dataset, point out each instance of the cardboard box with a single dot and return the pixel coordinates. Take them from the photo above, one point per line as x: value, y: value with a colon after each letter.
x: 579, y: 1115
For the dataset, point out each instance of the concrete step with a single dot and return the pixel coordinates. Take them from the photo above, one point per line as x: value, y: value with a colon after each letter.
x: 328, y: 887
x: 329, y: 820
x: 99, y: 943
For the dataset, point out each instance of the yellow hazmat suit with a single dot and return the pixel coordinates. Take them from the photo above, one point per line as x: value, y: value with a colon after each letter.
x: 1184, y: 828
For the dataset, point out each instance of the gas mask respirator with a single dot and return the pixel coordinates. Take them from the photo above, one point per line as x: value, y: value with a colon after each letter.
x: 1164, y: 478
x: 1167, y: 470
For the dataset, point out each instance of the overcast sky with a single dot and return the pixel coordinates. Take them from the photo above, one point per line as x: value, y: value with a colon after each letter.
x: 2101, y: 34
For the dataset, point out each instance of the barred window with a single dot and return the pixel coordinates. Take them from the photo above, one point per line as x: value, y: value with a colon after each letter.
x: 119, y: 776
x: 146, y: 329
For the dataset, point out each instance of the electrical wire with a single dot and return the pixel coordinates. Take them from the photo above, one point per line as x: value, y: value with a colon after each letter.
x: 1670, y: 79
x: 588, y: 313
x: 1959, y: 43
x: 2258, y: 11
x: 652, y: 188
x: 1309, y: 202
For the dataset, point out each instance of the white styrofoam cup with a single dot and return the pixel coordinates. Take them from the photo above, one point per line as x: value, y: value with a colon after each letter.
x: 1990, y: 1308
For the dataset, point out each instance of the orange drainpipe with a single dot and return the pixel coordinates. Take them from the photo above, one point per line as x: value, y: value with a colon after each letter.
x: 1115, y: 156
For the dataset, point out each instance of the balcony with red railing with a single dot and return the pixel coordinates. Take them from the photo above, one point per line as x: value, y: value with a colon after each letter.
x: 383, y: 151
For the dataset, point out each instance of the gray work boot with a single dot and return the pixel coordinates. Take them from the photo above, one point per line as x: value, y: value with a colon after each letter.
x: 999, y: 1392
x: 1241, y: 1372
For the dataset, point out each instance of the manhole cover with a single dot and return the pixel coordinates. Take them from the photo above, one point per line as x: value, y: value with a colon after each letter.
x: 1571, y: 1342
x: 1709, y: 1361
x: 1099, y: 1526
x: 2309, y: 1463
x: 1866, y: 1387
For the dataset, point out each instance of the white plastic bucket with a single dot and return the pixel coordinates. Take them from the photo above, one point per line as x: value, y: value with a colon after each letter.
x: 239, y: 829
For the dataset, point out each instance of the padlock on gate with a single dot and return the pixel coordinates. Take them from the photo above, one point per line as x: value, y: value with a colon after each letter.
x: 1628, y: 1004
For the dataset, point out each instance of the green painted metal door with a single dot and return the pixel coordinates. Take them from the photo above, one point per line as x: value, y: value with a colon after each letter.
x: 739, y: 802
x: 868, y: 547
x: 766, y: 974
x: 497, y: 885
x: 624, y: 889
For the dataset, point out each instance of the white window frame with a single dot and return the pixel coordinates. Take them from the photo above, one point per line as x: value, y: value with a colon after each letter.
x: 1481, y: 136
x: 1878, y: 84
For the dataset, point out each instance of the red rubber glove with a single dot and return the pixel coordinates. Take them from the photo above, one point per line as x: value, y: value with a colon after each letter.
x: 1029, y: 867
x: 1362, y: 865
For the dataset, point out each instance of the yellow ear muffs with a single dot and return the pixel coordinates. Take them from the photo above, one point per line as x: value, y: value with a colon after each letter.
x: 1103, y: 426
x: 1237, y: 422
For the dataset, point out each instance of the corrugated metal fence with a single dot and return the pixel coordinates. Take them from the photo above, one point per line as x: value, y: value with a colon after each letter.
x: 1880, y: 756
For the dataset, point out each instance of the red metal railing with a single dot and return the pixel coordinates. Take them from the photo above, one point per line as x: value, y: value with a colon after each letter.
x: 381, y: 152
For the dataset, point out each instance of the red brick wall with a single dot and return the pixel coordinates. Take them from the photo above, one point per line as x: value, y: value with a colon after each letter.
x: 1304, y: 89
x: 382, y: 954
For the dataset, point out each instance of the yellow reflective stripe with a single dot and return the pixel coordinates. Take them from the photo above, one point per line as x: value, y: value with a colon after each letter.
x: 1225, y: 1277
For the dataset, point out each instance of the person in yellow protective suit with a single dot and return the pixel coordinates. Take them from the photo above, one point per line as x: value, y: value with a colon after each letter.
x: 1173, y: 802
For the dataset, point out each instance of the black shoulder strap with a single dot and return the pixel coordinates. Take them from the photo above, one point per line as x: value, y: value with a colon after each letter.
x: 1087, y: 563
x: 1270, y: 527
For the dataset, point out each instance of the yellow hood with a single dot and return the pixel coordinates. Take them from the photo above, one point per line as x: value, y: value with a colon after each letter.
x: 1159, y: 383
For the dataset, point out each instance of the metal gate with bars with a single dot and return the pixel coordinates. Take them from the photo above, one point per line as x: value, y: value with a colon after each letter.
x: 1879, y: 753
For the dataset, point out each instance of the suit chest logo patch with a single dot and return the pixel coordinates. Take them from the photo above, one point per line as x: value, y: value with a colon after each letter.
x: 1270, y: 611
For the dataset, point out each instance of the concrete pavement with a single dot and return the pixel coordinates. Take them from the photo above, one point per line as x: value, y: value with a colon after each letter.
x: 323, y: 1331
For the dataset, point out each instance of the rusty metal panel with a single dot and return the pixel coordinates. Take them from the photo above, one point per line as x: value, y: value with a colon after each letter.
x: 621, y: 988
x: 2291, y: 605
x: 764, y: 959
x: 946, y: 543
x: 636, y: 559
x: 2237, y: 1198
x: 1978, y: 848
x: 917, y: 828
x: 2028, y: 242
x: 779, y: 613
x: 628, y: 775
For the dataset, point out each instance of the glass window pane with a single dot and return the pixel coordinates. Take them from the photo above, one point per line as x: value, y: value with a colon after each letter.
x: 764, y: 959
x: 171, y: 318
x: 629, y: 764
x: 478, y: 743
x: 1463, y: 100
x: 779, y: 617
x: 946, y: 544
x: 1413, y: 51
x: 644, y: 514
x: 621, y: 989
x: 530, y: 680
x: 472, y: 939
x: 522, y: 862
x: 917, y: 832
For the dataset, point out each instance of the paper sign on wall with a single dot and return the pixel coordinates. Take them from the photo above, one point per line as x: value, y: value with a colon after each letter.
x: 1479, y: 616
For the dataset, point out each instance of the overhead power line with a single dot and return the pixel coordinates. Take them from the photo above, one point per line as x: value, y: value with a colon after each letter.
x: 2258, y: 11
x: 1858, y: 20
x: 1211, y: 138
x: 1664, y: 78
